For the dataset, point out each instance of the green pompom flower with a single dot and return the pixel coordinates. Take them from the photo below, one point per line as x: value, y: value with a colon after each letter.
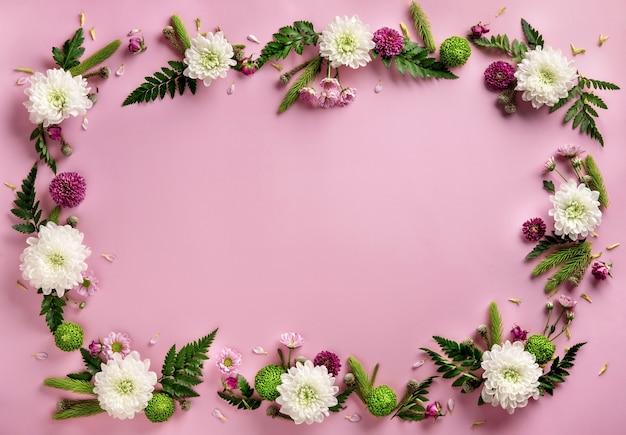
x: 266, y: 381
x: 160, y: 408
x: 69, y: 336
x: 454, y: 51
x: 541, y: 347
x: 381, y: 401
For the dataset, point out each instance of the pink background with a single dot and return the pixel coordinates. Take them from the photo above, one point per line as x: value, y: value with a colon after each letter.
x: 367, y: 229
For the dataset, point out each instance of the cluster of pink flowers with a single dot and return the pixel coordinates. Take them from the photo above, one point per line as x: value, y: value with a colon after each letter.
x: 331, y: 94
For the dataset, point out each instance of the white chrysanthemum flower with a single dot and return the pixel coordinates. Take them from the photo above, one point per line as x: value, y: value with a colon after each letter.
x: 346, y: 41
x: 576, y: 210
x: 56, y: 96
x: 511, y: 376
x: 306, y: 393
x: 545, y: 75
x: 209, y: 57
x: 124, y: 386
x: 55, y: 259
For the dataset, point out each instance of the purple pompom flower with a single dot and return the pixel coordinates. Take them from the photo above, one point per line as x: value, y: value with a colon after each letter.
x: 499, y: 75
x: 389, y: 42
x: 534, y: 229
x: 68, y: 189
x: 329, y: 360
x: 519, y: 334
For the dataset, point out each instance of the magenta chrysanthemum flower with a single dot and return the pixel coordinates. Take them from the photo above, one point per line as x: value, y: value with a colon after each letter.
x: 499, y: 75
x: 55, y: 132
x: 534, y: 229
x: 228, y: 361
x: 68, y: 189
x: 329, y: 360
x: 600, y: 270
x: 231, y: 382
x: 291, y: 339
x: 89, y: 286
x: 116, y: 342
x: 519, y: 334
x: 389, y: 42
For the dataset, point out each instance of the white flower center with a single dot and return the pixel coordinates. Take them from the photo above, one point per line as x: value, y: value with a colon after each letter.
x: 307, y: 395
x: 547, y: 76
x: 511, y: 374
x: 575, y: 210
x: 56, y: 260
x: 57, y: 99
x: 210, y: 60
x: 125, y: 387
x: 346, y: 44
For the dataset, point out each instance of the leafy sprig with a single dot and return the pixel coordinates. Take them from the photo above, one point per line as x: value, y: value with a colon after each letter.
x: 410, y: 407
x: 310, y: 71
x: 516, y: 49
x: 414, y: 59
x: 287, y: 39
x: 532, y: 35
x: 39, y: 136
x: 182, y: 370
x: 52, y: 308
x: 569, y: 259
x: 68, y: 56
x: 596, y: 181
x: 422, y: 25
x: 546, y: 243
x: 162, y: 83
x: 26, y: 206
x: 243, y: 401
x: 341, y: 399
x: 558, y: 370
x: 463, y: 359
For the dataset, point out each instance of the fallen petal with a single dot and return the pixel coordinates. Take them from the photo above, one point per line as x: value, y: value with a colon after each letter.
x: 501, y: 11
x: 25, y: 70
x: 231, y: 89
x: 218, y: 414
x: 155, y: 338
x: 258, y: 350
x: 85, y: 122
x: 21, y: 81
x: 120, y: 70
x: 613, y: 246
x: 277, y: 66
x: 515, y: 301
x: 419, y: 363
x: 253, y: 39
x: 133, y: 32
x: 405, y: 31
x: 603, y: 369
x: 40, y: 355
x: 586, y: 297
x: 478, y: 423
x: 109, y: 257
x: 379, y: 86
x: 81, y: 18
x: 451, y: 404
x: 602, y: 39
x: 22, y: 286
x: 92, y: 32
x: 10, y: 186
x: 576, y: 51
x: 354, y: 418
x: 198, y: 23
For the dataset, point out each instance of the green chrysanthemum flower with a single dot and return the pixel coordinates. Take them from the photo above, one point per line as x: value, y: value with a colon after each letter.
x: 69, y: 336
x: 541, y: 347
x: 454, y: 51
x: 381, y: 401
x: 160, y: 408
x: 266, y: 381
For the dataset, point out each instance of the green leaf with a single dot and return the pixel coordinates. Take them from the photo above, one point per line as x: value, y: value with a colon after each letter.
x: 81, y: 376
x: 52, y: 308
x: 341, y: 399
x: 96, y: 59
x: 532, y: 36
x: 244, y: 386
x: 545, y: 244
x: 498, y: 42
x: 249, y: 403
x: 159, y: 85
x: 363, y: 381
x: 548, y: 185
x: 79, y: 408
x: 68, y: 57
x: 288, y: 38
x: 75, y: 385
x: 597, y: 181
x: 181, y: 31
x: 422, y: 25
x: 558, y: 372
x: 415, y: 60
x: 93, y: 364
x: 54, y: 215
x: 569, y: 259
x: 495, y: 324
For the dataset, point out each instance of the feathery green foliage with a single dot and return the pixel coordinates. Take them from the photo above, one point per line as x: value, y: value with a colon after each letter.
x: 96, y: 59
x: 75, y: 385
x: 362, y: 380
x: 422, y: 25
x: 597, y: 181
x: 341, y: 399
x: 52, y: 308
x: 181, y: 31
x: 546, y: 243
x: 410, y: 407
x: 182, y: 370
x: 68, y: 56
x: 39, y: 136
x: 415, y: 60
x: 532, y: 36
x: 79, y: 408
x: 245, y: 401
x: 162, y: 83
x: 558, y: 372
x: 463, y: 359
x: 93, y: 364
x: 517, y: 49
x: 311, y: 70
x: 570, y: 259
x: 288, y: 38
x: 495, y: 324
x: 26, y: 208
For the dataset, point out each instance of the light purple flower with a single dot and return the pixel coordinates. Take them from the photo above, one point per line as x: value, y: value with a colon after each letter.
x: 116, y: 342
x: 534, y: 229
x: 89, y: 286
x: 499, y: 75
x: 309, y: 96
x: 95, y: 347
x: 389, y: 42
x: 479, y: 30
x: 136, y: 45
x: 328, y: 98
x: 55, y: 132
x: 566, y: 301
x: 228, y: 361
x: 519, y: 334
x: 329, y: 360
x: 433, y: 410
x: 291, y: 339
x: 600, y: 270
x: 68, y: 189
x: 347, y: 96
x: 570, y: 151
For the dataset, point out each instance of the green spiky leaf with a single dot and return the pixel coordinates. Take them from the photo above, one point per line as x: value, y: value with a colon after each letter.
x: 68, y: 384
x: 597, y: 181
x: 165, y: 82
x: 288, y: 39
x: 546, y: 243
x: 495, y: 324
x: 422, y: 26
x: 309, y: 73
x: 52, y: 308
x: 240, y: 402
x: 558, y: 372
x: 93, y: 364
x: 68, y: 56
x: 414, y: 60
x: 532, y: 36
x: 341, y: 399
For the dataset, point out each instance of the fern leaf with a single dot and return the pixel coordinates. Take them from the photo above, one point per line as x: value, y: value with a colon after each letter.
x: 161, y: 84
x: 310, y: 71
x: 532, y: 36
x: 93, y: 364
x: 341, y: 399
x: 558, y: 372
x: 249, y: 403
x: 74, y: 385
x: 52, y: 308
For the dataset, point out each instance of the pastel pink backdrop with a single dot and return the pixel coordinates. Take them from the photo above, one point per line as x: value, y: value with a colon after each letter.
x: 367, y: 229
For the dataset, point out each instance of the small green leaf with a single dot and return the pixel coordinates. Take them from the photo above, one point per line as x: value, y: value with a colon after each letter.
x: 548, y: 185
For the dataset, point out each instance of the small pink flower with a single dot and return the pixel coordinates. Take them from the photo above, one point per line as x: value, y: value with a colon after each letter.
x: 519, y: 334
x: 291, y: 339
x: 479, y: 30
x: 309, y: 96
x: 89, y: 285
x: 328, y: 98
x: 228, y: 361
x: 116, y: 342
x: 347, y: 96
x: 499, y: 75
x: 570, y: 151
x: 231, y: 382
x: 566, y: 301
x: 600, y: 270
x: 68, y: 189
x: 389, y: 42
x: 136, y: 45
x: 329, y: 360
x: 95, y: 347
x: 248, y: 66
x: 433, y: 410
x: 55, y: 132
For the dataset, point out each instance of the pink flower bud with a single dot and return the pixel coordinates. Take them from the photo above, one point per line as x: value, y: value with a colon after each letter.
x: 248, y: 66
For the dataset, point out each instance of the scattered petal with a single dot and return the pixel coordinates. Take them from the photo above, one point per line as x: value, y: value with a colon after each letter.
x: 40, y: 355
x: 501, y: 11
x: 253, y: 39
x: 120, y: 70
x: 21, y: 81
x: 25, y: 70
x: 258, y: 350
x: 379, y: 86
x: 10, y: 186
x: 155, y: 338
x: 602, y: 39
x: 231, y: 89
x: 133, y: 32
x: 515, y: 301
x: 198, y: 23
x: 277, y: 66
x: 405, y: 31
x: 22, y: 286
x: 92, y: 32
x: 419, y: 363
x: 611, y: 247
x: 586, y: 297
x: 109, y: 257
x: 218, y: 414
x: 451, y: 404
x: 568, y: 334
x: 576, y: 51
x: 596, y: 255
x: 81, y: 18
x: 478, y: 423
x: 603, y: 369
x: 354, y: 418
x: 85, y: 122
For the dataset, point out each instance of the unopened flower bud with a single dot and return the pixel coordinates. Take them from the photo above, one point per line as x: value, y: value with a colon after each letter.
x: 93, y: 98
x: 349, y: 380
x: 510, y: 108
x: 136, y: 45
x: 569, y: 316
x: 299, y: 359
x: 482, y: 329
x: 248, y: 66
x: 504, y: 98
x: 67, y: 150
x: 468, y: 341
x: 412, y: 386
x: 185, y: 405
x: 64, y: 405
x: 72, y: 221
x: 549, y: 306
x: 239, y: 52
